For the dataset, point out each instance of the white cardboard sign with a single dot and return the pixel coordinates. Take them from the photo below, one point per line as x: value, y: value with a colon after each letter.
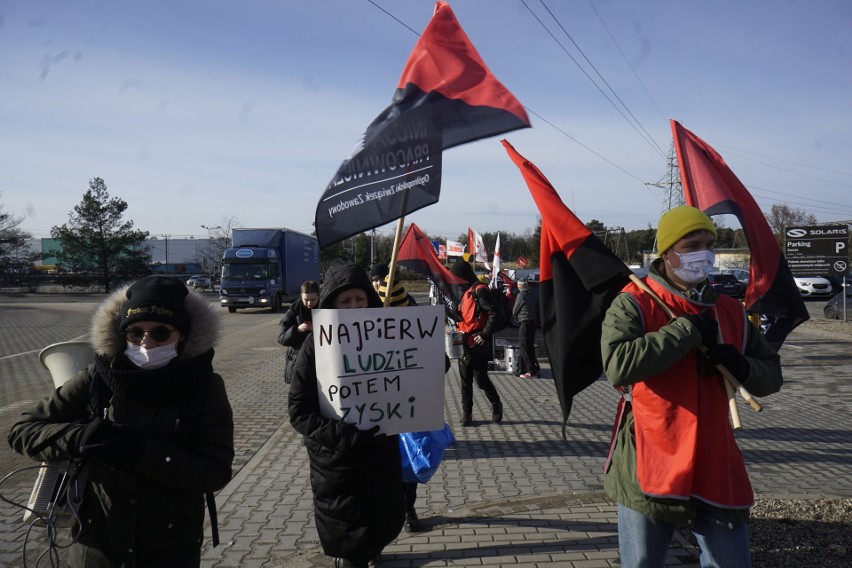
x: 382, y: 366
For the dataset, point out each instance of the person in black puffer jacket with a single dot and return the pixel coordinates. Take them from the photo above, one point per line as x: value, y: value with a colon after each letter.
x: 152, y: 423
x: 356, y: 475
x: 297, y: 324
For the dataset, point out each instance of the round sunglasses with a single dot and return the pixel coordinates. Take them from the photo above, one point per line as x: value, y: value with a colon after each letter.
x: 159, y: 334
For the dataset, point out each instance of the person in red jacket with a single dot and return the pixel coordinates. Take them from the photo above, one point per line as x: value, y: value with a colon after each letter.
x: 673, y: 459
x: 477, y: 322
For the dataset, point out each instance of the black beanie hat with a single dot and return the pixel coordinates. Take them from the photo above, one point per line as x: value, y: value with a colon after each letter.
x: 156, y: 298
x: 379, y: 270
x: 464, y: 271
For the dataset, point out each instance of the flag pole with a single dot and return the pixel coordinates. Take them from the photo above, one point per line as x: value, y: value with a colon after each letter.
x: 395, y: 252
x: 731, y: 383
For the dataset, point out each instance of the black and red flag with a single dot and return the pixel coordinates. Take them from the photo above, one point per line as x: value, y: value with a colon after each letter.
x: 417, y: 253
x: 710, y: 185
x: 579, y: 277
x: 445, y: 97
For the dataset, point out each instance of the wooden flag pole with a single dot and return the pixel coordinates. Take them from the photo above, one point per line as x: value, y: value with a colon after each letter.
x: 731, y: 383
x: 394, y: 256
x: 395, y: 252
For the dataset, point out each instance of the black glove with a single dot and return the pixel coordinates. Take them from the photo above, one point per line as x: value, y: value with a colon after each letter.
x: 352, y: 437
x: 367, y: 436
x: 111, y: 443
x: 731, y: 358
x: 706, y: 325
x: 347, y: 434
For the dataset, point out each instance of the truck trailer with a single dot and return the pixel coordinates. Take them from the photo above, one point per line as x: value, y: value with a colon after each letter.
x: 264, y: 268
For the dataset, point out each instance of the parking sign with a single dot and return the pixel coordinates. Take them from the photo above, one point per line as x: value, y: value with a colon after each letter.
x: 817, y: 250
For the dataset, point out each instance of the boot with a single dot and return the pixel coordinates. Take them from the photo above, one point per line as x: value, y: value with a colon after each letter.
x: 467, y: 418
x: 497, y: 412
x: 412, y: 523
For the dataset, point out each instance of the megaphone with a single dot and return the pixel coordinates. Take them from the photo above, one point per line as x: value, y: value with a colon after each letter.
x: 58, y: 490
x: 66, y: 359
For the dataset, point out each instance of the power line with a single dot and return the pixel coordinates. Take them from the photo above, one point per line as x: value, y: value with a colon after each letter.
x: 627, y: 61
x: 842, y: 206
x: 798, y: 173
x: 613, y: 164
x: 788, y: 161
x: 646, y: 135
x: 589, y: 77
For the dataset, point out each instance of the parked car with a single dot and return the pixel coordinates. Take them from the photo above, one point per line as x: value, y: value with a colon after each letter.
x: 528, y: 274
x: 838, y: 282
x: 200, y: 281
x: 833, y: 308
x: 740, y: 274
x: 813, y: 286
x: 726, y: 284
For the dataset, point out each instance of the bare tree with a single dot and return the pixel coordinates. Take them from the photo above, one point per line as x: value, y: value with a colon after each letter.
x: 219, y: 239
x: 14, y: 253
x: 783, y: 216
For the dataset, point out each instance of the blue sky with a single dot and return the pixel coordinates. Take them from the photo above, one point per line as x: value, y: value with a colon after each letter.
x: 195, y: 112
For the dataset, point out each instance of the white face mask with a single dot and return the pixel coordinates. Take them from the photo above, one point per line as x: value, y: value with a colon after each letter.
x: 694, y: 266
x: 153, y: 358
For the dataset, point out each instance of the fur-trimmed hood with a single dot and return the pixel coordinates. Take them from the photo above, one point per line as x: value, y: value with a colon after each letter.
x: 203, y: 326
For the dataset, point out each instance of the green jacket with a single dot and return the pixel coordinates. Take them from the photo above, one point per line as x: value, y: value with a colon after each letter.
x: 629, y: 354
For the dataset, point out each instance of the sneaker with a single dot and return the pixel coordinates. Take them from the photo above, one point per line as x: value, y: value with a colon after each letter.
x: 529, y: 376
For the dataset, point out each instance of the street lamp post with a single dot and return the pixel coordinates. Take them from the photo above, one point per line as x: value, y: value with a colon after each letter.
x: 166, y: 237
x: 215, y: 263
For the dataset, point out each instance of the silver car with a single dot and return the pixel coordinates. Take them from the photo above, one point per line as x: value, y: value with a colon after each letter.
x: 199, y: 281
x: 813, y: 286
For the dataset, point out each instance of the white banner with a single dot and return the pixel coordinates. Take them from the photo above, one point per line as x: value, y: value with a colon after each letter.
x: 382, y: 366
x: 496, y: 269
x: 454, y: 249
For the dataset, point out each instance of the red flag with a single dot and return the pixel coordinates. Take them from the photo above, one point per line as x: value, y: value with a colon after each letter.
x: 417, y: 253
x: 444, y: 68
x: 710, y: 185
x: 446, y: 96
x: 522, y: 262
x: 579, y: 278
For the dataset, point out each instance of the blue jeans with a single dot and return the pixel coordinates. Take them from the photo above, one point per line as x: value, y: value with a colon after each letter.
x: 643, y: 542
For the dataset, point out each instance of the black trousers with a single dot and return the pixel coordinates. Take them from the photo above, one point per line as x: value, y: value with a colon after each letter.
x: 526, y: 333
x: 409, y: 495
x: 476, y: 370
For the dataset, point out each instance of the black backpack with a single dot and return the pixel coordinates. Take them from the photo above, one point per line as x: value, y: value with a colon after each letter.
x: 499, y: 301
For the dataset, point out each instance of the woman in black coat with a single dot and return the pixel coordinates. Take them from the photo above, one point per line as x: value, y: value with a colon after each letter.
x: 297, y: 324
x: 150, y: 420
x: 356, y: 475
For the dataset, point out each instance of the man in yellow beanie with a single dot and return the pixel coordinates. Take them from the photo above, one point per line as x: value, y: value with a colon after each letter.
x: 673, y: 458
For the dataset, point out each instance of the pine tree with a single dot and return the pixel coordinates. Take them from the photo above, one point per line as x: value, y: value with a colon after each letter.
x: 96, y: 238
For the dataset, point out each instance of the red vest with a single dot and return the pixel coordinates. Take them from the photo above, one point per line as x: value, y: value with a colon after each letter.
x: 471, y: 321
x: 685, y: 445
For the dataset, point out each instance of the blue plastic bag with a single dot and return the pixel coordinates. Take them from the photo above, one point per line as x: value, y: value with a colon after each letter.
x: 422, y: 452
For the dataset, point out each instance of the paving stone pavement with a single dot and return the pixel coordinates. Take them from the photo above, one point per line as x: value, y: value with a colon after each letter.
x: 508, y: 494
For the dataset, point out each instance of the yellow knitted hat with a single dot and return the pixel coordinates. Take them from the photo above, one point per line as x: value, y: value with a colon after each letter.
x: 680, y: 221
